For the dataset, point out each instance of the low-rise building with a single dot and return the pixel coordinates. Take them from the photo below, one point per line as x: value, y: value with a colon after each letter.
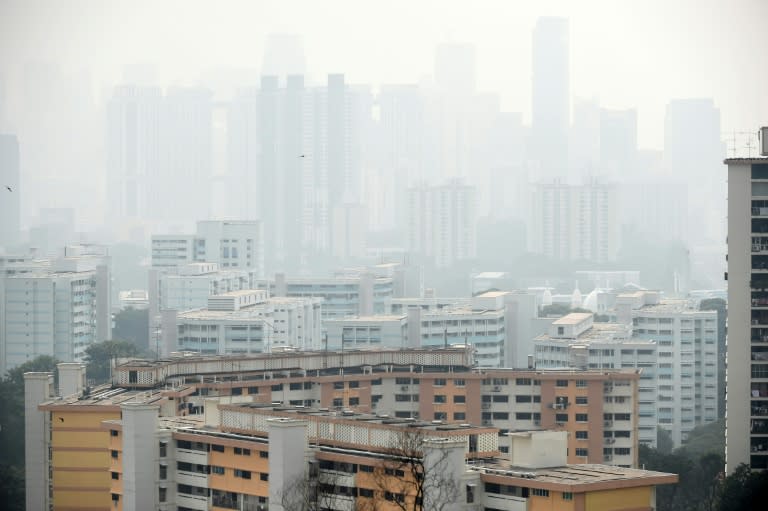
x: 117, y: 448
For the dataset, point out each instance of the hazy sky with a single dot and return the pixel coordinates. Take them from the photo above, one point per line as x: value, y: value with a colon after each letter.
x: 627, y: 53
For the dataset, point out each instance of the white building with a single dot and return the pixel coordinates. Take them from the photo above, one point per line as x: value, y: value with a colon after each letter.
x: 747, y: 369
x: 442, y: 222
x: 381, y: 331
x: 687, y: 358
x: 361, y: 295
x: 575, y: 341
x: 193, y: 283
x: 573, y: 222
x: 57, y: 311
x: 247, y: 322
x: 230, y: 243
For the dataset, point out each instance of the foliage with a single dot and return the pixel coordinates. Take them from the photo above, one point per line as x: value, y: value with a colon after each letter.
x: 706, y: 439
x: 743, y: 490
x: 12, y: 429
x: 132, y: 325
x: 99, y: 358
x: 698, y: 479
x: 408, y: 481
x: 664, y: 442
x: 12, y: 487
x: 311, y: 491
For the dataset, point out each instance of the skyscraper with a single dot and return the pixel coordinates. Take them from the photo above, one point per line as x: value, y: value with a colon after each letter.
x: 10, y: 178
x: 746, y: 401
x: 133, y: 150
x: 551, y: 107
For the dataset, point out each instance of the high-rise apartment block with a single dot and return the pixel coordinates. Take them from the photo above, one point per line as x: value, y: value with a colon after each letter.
x: 747, y: 363
x: 576, y: 222
x: 442, y: 222
x: 57, y: 310
x: 10, y: 179
x: 229, y: 243
x: 156, y: 144
x: 551, y: 104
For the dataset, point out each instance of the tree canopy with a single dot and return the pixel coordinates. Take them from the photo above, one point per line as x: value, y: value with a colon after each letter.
x: 99, y: 357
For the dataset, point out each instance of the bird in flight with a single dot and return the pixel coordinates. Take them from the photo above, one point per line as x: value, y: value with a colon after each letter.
x: 302, y: 156
x: 8, y: 188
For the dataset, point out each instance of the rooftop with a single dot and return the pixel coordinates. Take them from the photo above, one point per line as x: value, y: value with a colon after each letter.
x: 573, y: 318
x: 575, y: 476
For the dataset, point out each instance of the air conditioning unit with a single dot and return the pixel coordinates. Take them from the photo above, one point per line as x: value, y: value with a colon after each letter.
x: 404, y: 388
x: 487, y: 423
x: 610, y: 440
x: 608, y: 457
x: 497, y: 388
x: 607, y: 424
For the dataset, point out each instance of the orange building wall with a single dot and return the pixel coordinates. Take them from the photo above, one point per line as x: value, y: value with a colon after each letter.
x: 80, y: 458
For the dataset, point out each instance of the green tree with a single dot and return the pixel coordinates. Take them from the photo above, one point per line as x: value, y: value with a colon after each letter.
x: 12, y: 487
x: 743, y: 490
x: 99, y: 358
x: 664, y: 442
x: 132, y: 325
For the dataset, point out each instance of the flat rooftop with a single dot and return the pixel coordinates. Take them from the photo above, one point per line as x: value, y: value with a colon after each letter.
x: 575, y: 475
x: 574, y: 318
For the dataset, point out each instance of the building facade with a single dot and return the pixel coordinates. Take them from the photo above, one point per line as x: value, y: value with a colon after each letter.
x: 747, y: 368
x: 182, y: 445
x: 57, y: 311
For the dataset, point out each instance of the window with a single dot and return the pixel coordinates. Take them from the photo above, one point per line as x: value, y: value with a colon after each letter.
x: 242, y: 452
x: 500, y: 416
x: 115, y: 476
x: 244, y: 474
x: 263, y: 454
x: 582, y: 435
x: 253, y: 390
x: 567, y: 495
x: 561, y: 417
x: 459, y: 383
x: 354, y: 384
x: 217, y: 470
x: 621, y: 416
x: 459, y: 416
x: 264, y: 476
x: 522, y: 399
x: 439, y: 382
x: 523, y: 381
x: 439, y: 399
x: 582, y: 452
x: 500, y: 399
x: 354, y: 401
x: 163, y: 471
x: 538, y: 492
x: 459, y: 399
x: 113, y: 432
x: 580, y: 384
x: 581, y: 400
x: 113, y: 454
x: 441, y: 416
x: 365, y: 492
x: 582, y: 417
x: 162, y: 494
x: 237, y: 391
x: 561, y: 383
x: 217, y: 448
x: 366, y: 468
x: 277, y: 388
x: 470, y: 493
x: 163, y: 449
x: 622, y: 451
x: 523, y: 416
x: 296, y: 386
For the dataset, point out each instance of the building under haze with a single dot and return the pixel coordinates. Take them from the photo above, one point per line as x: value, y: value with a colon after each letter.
x: 56, y: 309
x: 10, y: 179
x: 746, y: 402
x: 442, y: 223
x: 551, y: 101
x: 159, y: 154
x: 576, y: 222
